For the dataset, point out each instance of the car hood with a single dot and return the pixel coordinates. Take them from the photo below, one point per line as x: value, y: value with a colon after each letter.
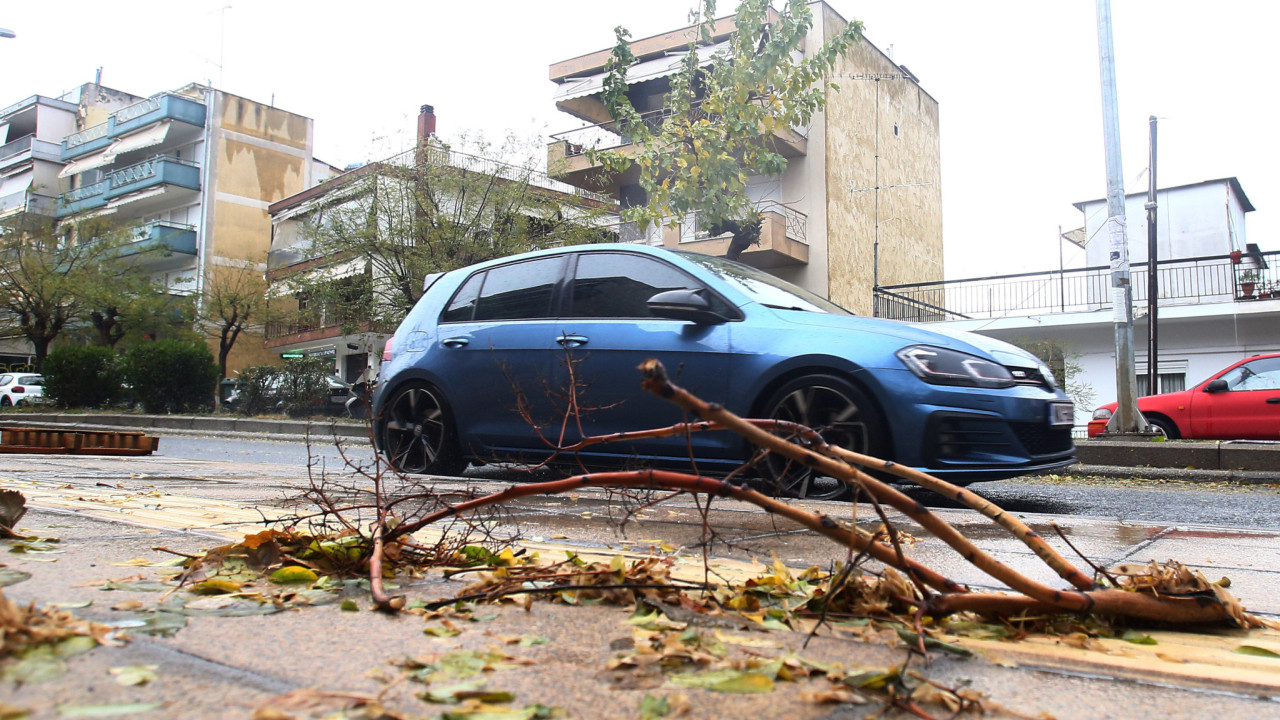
x: 911, y: 334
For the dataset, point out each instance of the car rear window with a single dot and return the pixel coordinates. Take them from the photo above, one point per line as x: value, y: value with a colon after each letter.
x: 31, y: 380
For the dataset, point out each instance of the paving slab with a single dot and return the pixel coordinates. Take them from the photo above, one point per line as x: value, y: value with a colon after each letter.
x: 223, y: 667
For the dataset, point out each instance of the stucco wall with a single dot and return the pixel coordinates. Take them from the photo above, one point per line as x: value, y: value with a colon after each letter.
x: 1191, y: 221
x: 910, y: 214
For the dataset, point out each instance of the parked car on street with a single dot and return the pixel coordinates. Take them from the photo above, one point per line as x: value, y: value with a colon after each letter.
x: 478, y: 371
x: 336, y: 396
x: 1239, y: 402
x: 17, y: 389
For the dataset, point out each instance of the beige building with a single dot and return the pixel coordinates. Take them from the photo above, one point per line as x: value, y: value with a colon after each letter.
x: 195, y: 171
x: 865, y: 176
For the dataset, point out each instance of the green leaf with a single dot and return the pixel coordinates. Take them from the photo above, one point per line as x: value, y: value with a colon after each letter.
x: 130, y: 675
x: 440, y: 631
x: 99, y: 711
x: 1138, y: 638
x: 652, y: 708
x: 350, y: 605
x: 69, y: 605
x: 1256, y: 651
x: 215, y: 586
x: 135, y: 586
x: 294, y: 574
x: 730, y: 681
x: 9, y: 576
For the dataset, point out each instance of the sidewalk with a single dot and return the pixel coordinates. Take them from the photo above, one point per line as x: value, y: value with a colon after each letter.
x: 109, y: 514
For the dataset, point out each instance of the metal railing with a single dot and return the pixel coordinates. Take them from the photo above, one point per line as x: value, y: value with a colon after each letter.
x: 138, y: 109
x: 609, y: 135
x: 629, y: 232
x: 85, y: 191
x: 88, y: 134
x: 145, y: 169
x: 692, y: 229
x: 1183, y: 281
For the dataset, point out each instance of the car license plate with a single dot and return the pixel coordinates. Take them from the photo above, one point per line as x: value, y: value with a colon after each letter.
x: 1062, y: 414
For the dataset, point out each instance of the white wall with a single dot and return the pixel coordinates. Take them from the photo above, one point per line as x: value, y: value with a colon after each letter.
x: 1191, y: 221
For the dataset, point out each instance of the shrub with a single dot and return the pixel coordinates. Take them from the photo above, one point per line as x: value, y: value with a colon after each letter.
x: 172, y: 375
x: 79, y: 376
x: 299, y: 388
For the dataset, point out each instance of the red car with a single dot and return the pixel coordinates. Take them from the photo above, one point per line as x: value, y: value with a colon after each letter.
x: 1240, y: 402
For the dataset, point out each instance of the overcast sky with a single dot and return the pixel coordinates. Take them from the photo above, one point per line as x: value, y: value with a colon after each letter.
x: 1017, y: 83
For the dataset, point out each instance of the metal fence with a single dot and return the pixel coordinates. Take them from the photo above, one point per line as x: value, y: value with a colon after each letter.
x: 1187, y: 281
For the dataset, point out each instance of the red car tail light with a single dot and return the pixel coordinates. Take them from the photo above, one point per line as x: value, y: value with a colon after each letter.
x: 386, y: 349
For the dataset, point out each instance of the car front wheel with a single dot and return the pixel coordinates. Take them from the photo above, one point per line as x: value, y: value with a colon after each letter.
x: 841, y: 413
x: 418, y: 433
x: 1165, y: 427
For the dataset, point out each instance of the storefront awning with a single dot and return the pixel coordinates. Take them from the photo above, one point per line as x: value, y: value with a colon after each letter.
x: 638, y: 73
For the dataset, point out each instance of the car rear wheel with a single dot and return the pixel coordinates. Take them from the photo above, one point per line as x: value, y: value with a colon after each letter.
x: 837, y: 409
x: 418, y: 433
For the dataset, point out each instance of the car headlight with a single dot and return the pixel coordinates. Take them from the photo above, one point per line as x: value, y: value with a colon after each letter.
x: 1102, y: 414
x: 1047, y: 374
x: 949, y: 367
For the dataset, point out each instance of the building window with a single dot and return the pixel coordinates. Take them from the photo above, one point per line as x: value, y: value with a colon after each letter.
x: 1169, y: 382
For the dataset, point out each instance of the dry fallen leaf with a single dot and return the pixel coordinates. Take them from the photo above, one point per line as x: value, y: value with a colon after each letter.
x: 127, y: 605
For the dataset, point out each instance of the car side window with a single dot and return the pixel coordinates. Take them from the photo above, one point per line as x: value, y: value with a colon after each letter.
x: 1261, y: 374
x: 463, y: 304
x: 619, y: 285
x: 520, y: 291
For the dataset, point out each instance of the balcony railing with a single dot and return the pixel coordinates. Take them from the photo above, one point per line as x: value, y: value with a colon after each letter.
x: 158, y: 170
x: 172, y: 237
x: 129, y: 118
x: 609, y: 135
x: 1186, y: 281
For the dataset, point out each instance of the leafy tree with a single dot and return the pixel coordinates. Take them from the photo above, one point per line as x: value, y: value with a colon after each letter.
x: 1064, y: 361
x: 234, y: 299
x: 718, y: 120
x: 49, y: 273
x: 393, y: 223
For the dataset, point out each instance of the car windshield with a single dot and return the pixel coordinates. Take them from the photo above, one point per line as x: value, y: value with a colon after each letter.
x: 763, y: 287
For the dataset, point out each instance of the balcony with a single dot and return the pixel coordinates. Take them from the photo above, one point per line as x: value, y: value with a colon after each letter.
x: 167, y: 244
x: 126, y: 120
x: 26, y: 148
x: 151, y: 184
x: 1187, y: 281
x: 567, y: 158
x: 783, y: 238
x: 88, y: 197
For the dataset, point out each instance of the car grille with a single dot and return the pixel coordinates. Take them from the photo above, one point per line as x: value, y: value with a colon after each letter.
x: 959, y: 437
x: 1040, y: 439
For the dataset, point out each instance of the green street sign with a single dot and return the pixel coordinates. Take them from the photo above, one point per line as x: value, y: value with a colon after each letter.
x: 292, y: 354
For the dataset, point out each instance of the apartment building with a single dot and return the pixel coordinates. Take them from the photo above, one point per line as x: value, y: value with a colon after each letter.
x: 484, y: 207
x: 860, y: 202
x: 193, y: 171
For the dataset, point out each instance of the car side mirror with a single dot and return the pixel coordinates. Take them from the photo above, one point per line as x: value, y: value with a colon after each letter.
x: 1216, y: 386
x: 685, y: 304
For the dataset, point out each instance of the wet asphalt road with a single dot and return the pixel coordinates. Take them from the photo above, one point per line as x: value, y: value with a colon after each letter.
x: 1134, y: 500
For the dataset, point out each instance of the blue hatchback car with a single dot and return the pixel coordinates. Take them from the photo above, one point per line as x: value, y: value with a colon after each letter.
x: 480, y: 371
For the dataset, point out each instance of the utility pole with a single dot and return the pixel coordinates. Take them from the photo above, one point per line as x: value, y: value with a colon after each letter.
x: 1153, y: 286
x: 1126, y: 419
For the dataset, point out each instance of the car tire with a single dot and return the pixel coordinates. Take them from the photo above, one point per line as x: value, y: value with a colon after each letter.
x: 842, y: 413
x: 1165, y: 427
x: 418, y: 436
x: 5, y: 401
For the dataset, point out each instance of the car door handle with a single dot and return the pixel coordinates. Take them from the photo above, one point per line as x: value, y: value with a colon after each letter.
x: 572, y: 341
x: 456, y: 342
x: 1273, y: 401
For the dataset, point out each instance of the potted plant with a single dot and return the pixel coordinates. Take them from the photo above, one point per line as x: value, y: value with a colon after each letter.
x: 1237, y: 256
x: 1248, y: 280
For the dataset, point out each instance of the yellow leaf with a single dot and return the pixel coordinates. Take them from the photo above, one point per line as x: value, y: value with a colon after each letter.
x: 216, y: 586
x: 294, y: 574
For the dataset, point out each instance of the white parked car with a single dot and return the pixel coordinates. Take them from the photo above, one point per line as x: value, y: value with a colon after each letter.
x: 21, y: 389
